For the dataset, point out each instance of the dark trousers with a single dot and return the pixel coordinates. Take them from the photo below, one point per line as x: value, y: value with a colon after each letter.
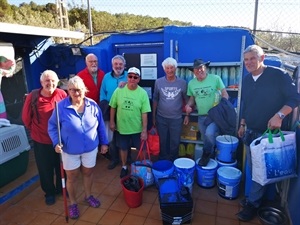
x: 48, y: 164
x: 114, y: 150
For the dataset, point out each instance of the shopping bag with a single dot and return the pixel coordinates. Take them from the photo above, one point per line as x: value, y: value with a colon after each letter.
x: 274, y: 157
x: 153, y: 141
x: 142, y: 167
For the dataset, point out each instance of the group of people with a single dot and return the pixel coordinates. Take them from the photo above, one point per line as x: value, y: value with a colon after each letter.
x: 97, y: 101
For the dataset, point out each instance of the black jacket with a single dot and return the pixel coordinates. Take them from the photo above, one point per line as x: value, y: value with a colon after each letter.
x: 224, y: 115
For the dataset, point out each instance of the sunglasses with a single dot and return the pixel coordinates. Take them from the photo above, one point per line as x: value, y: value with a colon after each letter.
x: 134, y: 77
x: 74, y: 90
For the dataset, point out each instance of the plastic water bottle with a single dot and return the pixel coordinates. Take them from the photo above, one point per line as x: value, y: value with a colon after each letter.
x: 232, y: 75
x: 219, y: 71
x: 178, y: 72
x: 225, y: 76
x: 237, y: 75
x: 182, y: 73
x: 213, y: 70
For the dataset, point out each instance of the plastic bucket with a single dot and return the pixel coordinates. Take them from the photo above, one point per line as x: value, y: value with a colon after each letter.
x: 184, y: 169
x: 228, y: 182
x: 133, y: 199
x: 226, y: 146
x: 162, y: 169
x: 206, y: 175
x: 220, y: 164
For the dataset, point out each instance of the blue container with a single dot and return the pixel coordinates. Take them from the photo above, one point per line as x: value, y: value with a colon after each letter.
x: 226, y: 146
x: 228, y: 182
x: 184, y: 170
x: 162, y: 169
x: 206, y: 175
x: 220, y: 164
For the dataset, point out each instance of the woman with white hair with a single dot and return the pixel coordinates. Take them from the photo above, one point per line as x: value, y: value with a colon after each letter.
x: 82, y: 132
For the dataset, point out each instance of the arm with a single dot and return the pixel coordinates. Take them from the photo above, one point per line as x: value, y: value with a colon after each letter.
x: 112, y: 123
x: 224, y: 93
x: 276, y: 121
x: 27, y: 112
x: 190, y: 104
x: 145, y: 122
x: 154, y: 107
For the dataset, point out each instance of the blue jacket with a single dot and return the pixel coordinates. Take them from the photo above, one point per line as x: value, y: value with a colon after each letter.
x: 78, y: 134
x: 110, y: 84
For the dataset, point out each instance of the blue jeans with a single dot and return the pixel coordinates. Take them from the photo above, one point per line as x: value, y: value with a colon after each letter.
x: 169, y: 131
x: 208, y: 134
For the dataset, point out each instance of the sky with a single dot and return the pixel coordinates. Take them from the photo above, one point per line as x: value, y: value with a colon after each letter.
x: 279, y: 15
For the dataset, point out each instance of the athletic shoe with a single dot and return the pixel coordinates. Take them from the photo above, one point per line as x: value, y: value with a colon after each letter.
x: 73, y: 211
x: 93, y: 202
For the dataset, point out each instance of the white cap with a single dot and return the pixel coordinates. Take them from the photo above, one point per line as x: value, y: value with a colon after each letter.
x: 134, y: 70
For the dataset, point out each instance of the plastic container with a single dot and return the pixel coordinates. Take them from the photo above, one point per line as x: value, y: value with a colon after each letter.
x: 220, y: 164
x: 206, y: 175
x: 229, y: 182
x: 162, y: 169
x: 133, y: 199
x: 226, y: 146
x: 184, y: 170
x: 14, y: 153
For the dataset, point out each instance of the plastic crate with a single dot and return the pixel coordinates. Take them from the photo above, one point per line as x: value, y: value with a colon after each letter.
x: 176, y: 205
x: 13, y: 141
x: 14, y: 154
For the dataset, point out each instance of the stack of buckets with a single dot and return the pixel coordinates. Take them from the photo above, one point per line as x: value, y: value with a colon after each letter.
x: 228, y: 177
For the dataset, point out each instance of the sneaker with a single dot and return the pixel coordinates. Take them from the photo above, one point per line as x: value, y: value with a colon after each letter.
x: 247, y: 213
x: 124, y: 172
x: 204, y: 159
x: 50, y: 200
x: 93, y: 202
x: 112, y: 165
x: 243, y: 202
x: 73, y: 211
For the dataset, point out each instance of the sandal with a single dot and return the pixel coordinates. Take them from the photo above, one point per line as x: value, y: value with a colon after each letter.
x: 93, y: 202
x: 73, y: 211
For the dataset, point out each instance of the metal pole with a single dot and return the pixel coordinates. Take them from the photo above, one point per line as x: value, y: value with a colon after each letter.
x: 90, y: 21
x: 255, y: 17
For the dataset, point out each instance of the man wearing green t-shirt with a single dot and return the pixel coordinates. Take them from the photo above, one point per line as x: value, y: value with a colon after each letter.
x: 131, y: 104
x: 202, y: 91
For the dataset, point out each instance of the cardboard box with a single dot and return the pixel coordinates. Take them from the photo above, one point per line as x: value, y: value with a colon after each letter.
x: 190, y: 131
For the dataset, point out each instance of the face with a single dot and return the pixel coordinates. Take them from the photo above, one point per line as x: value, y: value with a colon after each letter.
x: 133, y: 79
x: 77, y: 94
x: 252, y: 62
x: 118, y: 66
x: 92, y: 64
x: 170, y: 70
x: 49, y: 83
x: 200, y: 72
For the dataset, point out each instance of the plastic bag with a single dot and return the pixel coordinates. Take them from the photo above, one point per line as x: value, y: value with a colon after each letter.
x: 274, y: 157
x: 153, y: 141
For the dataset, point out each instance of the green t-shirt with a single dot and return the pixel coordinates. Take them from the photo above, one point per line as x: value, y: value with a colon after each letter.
x: 204, y: 92
x: 130, y: 105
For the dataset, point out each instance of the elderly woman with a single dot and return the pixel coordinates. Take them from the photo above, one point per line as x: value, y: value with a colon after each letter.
x: 82, y: 132
x: 37, y: 109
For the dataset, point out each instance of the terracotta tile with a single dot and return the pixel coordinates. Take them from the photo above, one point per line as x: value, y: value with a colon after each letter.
x: 133, y: 220
x: 112, y: 218
x: 142, y: 210
x: 106, y: 201
x: 227, y: 211
x: 98, y: 187
x: 203, y: 219
x: 92, y: 215
x: 155, y: 212
x: 210, y: 194
x: 43, y: 218
x: 61, y: 220
x: 150, y: 196
x: 226, y: 221
x: 150, y: 221
x: 206, y: 207
x: 119, y: 205
x: 112, y: 190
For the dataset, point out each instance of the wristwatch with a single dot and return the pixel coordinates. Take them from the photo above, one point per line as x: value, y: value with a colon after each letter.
x: 281, y: 115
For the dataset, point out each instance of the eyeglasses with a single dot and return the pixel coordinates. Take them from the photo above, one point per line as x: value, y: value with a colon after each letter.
x: 93, y: 61
x: 74, y: 90
x: 134, y: 77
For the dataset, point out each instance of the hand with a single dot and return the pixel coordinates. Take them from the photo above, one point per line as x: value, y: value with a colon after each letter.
x: 112, y: 126
x: 6, y: 65
x: 275, y: 122
x: 103, y: 149
x: 186, y: 120
x: 241, y: 132
x: 188, y: 109
x: 144, y: 135
x: 122, y: 84
x: 58, y: 148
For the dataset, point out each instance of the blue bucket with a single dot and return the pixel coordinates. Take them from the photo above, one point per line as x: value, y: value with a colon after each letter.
x: 206, y: 175
x: 226, y: 146
x: 162, y: 169
x: 184, y: 169
x: 220, y: 164
x: 229, y: 182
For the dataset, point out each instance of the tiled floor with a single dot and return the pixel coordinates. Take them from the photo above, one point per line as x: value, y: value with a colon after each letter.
x: 28, y: 207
